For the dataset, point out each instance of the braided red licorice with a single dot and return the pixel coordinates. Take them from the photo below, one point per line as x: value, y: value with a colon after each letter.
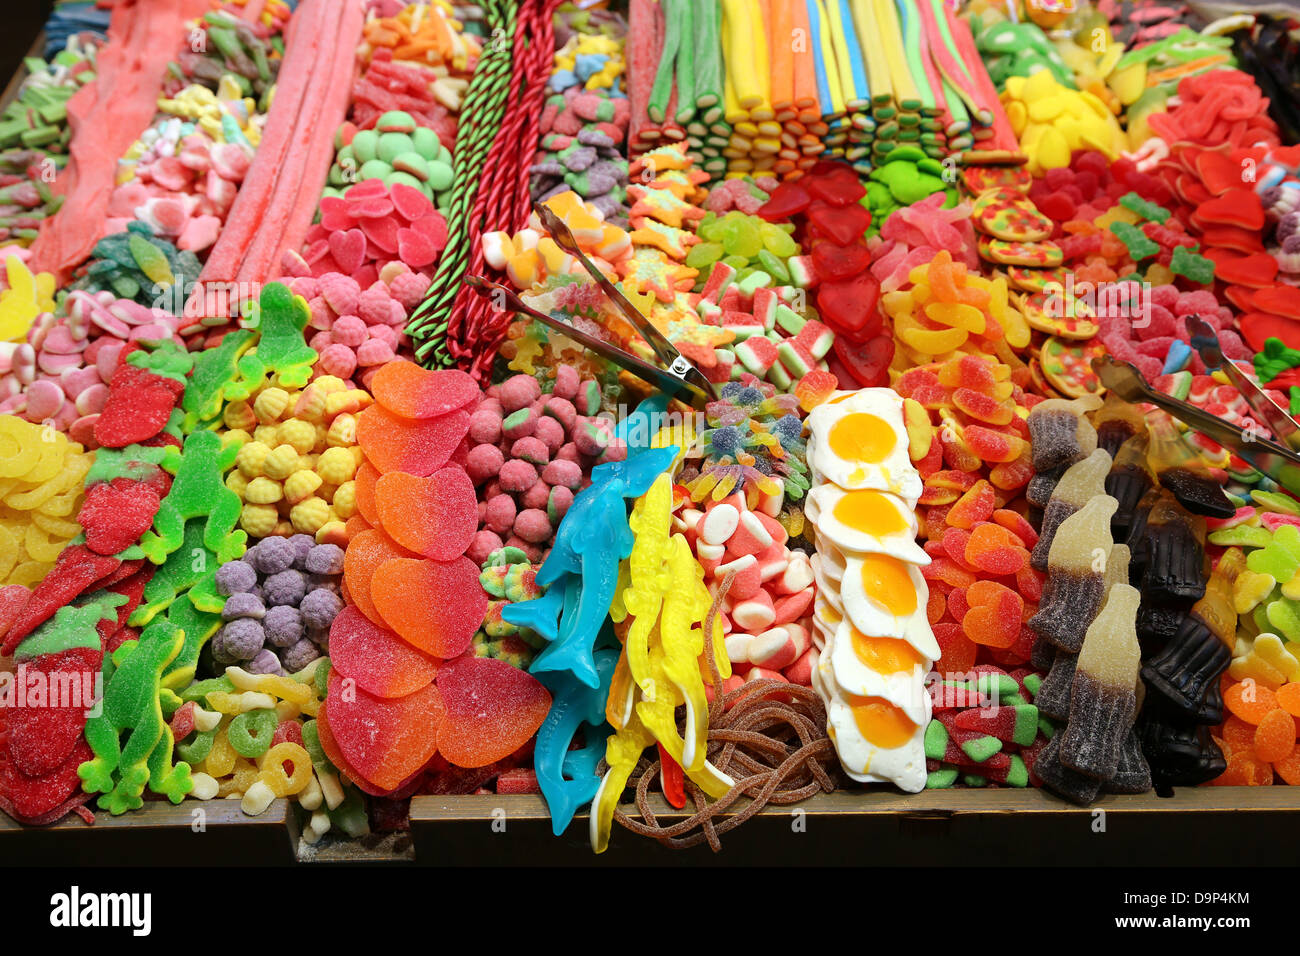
x: 477, y: 328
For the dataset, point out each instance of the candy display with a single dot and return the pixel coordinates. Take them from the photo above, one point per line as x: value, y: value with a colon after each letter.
x: 629, y: 405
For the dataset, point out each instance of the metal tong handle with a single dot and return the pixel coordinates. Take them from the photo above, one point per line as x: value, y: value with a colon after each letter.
x: 1279, y: 463
x: 677, y: 363
x: 1206, y: 342
x: 667, y: 381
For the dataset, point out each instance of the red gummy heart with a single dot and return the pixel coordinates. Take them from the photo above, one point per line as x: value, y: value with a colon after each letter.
x: 381, y: 233
x: 348, y: 249
x: 867, y: 366
x: 433, y: 227
x: 415, y: 248
x: 31, y: 799
x: 44, y: 731
x: 839, y: 186
x: 139, y: 404
x: 377, y: 659
x: 1218, y: 172
x: 843, y: 224
x: 1231, y: 237
x: 384, y: 741
x: 116, y: 514
x: 1256, y: 271
x: 366, y: 189
x: 334, y: 217
x: 410, y: 203
x: 834, y: 261
x: 1258, y: 327
x: 1237, y: 207
x: 492, y: 709
x: 1280, y: 300
x: 786, y: 201
x: 849, y: 303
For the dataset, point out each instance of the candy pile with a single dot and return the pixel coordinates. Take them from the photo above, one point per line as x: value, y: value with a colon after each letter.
x: 871, y: 596
x: 527, y: 456
x: 42, y: 472
x: 281, y: 599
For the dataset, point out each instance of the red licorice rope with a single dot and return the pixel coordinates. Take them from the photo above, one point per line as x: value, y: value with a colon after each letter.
x: 477, y: 327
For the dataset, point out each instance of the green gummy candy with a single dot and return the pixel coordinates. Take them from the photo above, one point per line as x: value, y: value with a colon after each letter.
x: 736, y: 262
x: 199, y: 691
x: 214, y: 369
x: 166, y: 361
x: 936, y: 740
x: 1033, y: 682
x: 311, y: 744
x: 704, y: 254
x: 1018, y: 773
x: 741, y: 236
x: 1189, y: 265
x: 1046, y: 726
x: 413, y: 164
x: 777, y: 241
x: 373, y: 169
x: 396, y: 121
x: 974, y: 780
x: 1135, y: 240
x: 71, y: 627
x: 198, y: 749
x: 1241, y: 536
x: 1284, y: 617
x: 406, y: 179
x: 321, y: 676
x: 1280, y: 557
x: 150, y: 260
x: 1026, y: 726
x: 941, y: 779
x: 198, y: 491
x: 440, y: 175
x: 996, y: 685
x: 350, y: 815
x: 1276, y: 501
x: 392, y: 145
x: 981, y: 748
x: 1147, y: 210
x: 134, y: 461
x: 426, y: 143
x: 250, y: 732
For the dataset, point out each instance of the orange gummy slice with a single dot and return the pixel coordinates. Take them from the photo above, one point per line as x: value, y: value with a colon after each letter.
x: 367, y: 475
x: 435, y: 516
x: 1288, y: 698
x: 492, y: 709
x: 1250, y: 700
x: 420, y: 448
x: 435, y: 606
x: 410, y: 391
x: 364, y: 554
x: 385, y: 741
x: 1244, y: 771
x: 377, y: 659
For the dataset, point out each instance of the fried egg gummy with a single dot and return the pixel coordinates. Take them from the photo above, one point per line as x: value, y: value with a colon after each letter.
x: 869, y: 616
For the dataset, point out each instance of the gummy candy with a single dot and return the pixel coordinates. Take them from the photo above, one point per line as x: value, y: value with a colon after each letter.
x: 379, y: 661
x: 384, y: 742
x: 491, y: 710
x: 435, y: 516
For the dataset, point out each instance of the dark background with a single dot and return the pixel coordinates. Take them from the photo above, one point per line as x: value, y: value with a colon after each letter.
x: 23, y: 19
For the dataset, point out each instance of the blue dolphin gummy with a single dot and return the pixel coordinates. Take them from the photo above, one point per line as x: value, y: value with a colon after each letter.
x: 568, y: 778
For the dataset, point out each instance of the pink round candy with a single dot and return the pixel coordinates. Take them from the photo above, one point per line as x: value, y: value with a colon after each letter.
x: 531, y: 449
x: 337, y: 360
x: 499, y: 514
x: 348, y: 330
x: 532, y: 525
x: 52, y: 363
x: 559, y: 501
x: 92, y: 399
x: 563, y: 472
x: 375, y: 352
x: 519, y: 391
x: 74, y: 381
x: 568, y: 452
x: 516, y: 475
x: 321, y: 341
x: 550, y: 432
x: 485, y: 426
x: 482, y: 545
x: 484, y: 462
x: 566, y: 382
x: 385, y: 333
x: 536, y: 496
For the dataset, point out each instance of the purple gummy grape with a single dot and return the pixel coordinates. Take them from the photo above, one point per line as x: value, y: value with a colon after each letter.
x: 274, y: 555
x: 264, y: 663
x: 286, y: 587
x: 220, y: 656
x: 235, y: 577
x: 324, y: 559
x: 242, y: 639
x: 320, y: 607
x: 299, y: 656
x: 302, y: 546
x: 283, y: 626
x: 323, y: 582
x: 243, y: 604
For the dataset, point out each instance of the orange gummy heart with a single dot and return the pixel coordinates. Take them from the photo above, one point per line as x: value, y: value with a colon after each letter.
x: 435, y: 606
x: 407, y: 390
x: 492, y: 709
x: 435, y: 516
x: 420, y: 448
x: 364, y: 554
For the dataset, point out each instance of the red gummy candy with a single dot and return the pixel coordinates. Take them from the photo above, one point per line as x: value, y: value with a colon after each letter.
x: 995, y: 550
x: 44, y: 731
x: 786, y: 201
x: 115, y: 514
x: 840, y: 262
x: 492, y: 709
x: 836, y: 184
x: 435, y: 516
x: 376, y: 658
x: 995, y: 613
x: 845, y: 225
x: 138, y: 406
x: 76, y: 569
x: 383, y: 740
x: 867, y: 365
x: 956, y: 650
x: 974, y: 506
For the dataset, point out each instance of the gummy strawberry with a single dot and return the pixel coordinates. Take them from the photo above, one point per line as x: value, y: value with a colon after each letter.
x: 115, y: 514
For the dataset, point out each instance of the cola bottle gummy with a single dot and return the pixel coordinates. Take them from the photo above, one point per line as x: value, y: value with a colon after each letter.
x: 1178, y: 467
x: 1180, y: 752
x: 1129, y: 479
x: 1171, y: 551
x: 1081, y: 483
x: 1116, y: 422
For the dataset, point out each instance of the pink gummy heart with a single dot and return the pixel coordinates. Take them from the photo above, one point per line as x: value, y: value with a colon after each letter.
x: 377, y: 659
x: 348, y: 249
x: 491, y: 710
x: 415, y: 249
x: 434, y: 228
x: 381, y: 233
x: 410, y: 203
